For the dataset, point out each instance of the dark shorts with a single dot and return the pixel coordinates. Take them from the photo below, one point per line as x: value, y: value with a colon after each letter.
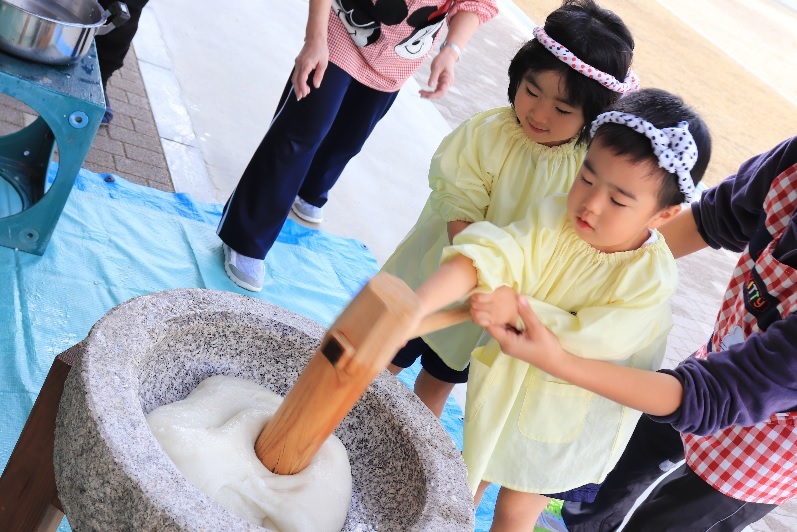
x: 430, y: 361
x: 585, y: 493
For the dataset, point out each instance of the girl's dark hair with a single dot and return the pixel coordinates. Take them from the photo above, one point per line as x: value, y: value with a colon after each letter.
x: 661, y: 109
x: 596, y: 36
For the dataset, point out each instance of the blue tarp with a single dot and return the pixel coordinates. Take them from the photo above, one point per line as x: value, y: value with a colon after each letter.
x: 117, y: 240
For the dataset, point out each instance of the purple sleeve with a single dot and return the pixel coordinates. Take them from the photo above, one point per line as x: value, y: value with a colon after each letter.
x: 728, y: 214
x: 742, y: 386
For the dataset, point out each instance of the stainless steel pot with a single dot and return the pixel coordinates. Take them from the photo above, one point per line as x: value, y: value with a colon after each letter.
x: 55, y: 31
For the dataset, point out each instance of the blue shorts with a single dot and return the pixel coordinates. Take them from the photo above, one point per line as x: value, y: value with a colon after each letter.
x: 430, y: 361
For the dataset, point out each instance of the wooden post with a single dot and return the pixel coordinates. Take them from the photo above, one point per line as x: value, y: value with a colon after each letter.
x: 360, y: 344
x: 28, y: 496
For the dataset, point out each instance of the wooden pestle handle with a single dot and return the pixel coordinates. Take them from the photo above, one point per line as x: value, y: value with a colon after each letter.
x: 361, y: 343
x: 443, y: 319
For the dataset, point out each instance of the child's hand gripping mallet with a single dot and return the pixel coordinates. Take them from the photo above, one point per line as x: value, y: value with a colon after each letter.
x: 361, y: 343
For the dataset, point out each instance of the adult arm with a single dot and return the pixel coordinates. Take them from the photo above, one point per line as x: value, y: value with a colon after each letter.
x: 441, y: 76
x: 753, y: 379
x: 728, y: 214
x: 314, y: 55
x: 465, y: 18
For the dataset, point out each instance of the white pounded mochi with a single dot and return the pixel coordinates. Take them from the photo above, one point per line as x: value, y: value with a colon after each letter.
x: 210, y: 436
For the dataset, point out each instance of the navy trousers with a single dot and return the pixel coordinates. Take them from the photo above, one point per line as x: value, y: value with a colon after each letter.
x: 303, y: 153
x: 681, y: 502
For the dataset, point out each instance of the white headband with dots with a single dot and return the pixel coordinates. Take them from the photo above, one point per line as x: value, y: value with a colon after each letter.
x: 630, y: 84
x: 674, y: 147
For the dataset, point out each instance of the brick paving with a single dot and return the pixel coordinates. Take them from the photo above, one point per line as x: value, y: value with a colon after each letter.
x: 129, y: 146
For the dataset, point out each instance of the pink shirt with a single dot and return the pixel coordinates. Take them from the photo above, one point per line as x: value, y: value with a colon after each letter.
x: 381, y: 45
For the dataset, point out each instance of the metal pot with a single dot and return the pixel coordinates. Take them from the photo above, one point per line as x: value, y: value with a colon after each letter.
x: 55, y: 32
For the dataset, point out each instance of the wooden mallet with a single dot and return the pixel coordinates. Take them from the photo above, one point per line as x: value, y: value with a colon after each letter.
x: 361, y: 343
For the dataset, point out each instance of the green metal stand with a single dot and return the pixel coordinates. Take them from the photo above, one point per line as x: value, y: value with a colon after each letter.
x: 70, y: 104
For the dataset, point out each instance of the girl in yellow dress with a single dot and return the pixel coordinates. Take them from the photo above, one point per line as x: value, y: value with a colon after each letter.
x: 498, y: 162
x: 599, y: 275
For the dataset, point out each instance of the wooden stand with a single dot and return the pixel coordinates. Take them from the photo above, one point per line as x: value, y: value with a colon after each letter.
x: 28, y: 497
x: 360, y: 344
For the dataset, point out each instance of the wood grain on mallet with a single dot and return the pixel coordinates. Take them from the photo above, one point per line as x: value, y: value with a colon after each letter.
x: 360, y: 344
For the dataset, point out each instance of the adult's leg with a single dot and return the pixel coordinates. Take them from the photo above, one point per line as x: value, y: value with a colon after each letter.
x: 258, y: 207
x: 651, y: 446
x: 684, y: 501
x: 114, y: 45
x: 362, y: 108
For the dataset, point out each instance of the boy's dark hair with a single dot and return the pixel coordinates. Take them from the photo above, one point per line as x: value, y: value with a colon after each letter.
x: 661, y: 109
x: 596, y: 36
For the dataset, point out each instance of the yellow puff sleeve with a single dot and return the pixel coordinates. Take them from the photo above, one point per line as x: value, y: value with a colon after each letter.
x: 460, y: 173
x: 511, y: 255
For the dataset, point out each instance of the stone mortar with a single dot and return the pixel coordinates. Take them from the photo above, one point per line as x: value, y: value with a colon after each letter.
x: 112, y: 474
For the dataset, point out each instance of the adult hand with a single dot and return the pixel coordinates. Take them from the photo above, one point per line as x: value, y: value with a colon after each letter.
x: 495, y: 308
x: 313, y: 56
x: 441, y: 77
x: 535, y: 344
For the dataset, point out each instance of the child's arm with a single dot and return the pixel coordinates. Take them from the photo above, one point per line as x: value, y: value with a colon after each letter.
x: 498, y: 307
x: 654, y: 393
x: 450, y: 283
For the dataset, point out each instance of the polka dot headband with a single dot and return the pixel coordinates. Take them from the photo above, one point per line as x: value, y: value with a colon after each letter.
x: 674, y: 147
x: 630, y: 84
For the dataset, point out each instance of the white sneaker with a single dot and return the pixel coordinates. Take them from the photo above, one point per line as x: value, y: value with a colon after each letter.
x: 307, y: 212
x: 246, y: 272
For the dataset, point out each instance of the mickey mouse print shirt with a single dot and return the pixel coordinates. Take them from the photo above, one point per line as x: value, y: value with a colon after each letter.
x: 381, y: 43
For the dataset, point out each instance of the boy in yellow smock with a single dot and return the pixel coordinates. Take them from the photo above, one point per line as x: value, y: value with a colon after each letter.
x: 599, y: 276
x: 498, y: 162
